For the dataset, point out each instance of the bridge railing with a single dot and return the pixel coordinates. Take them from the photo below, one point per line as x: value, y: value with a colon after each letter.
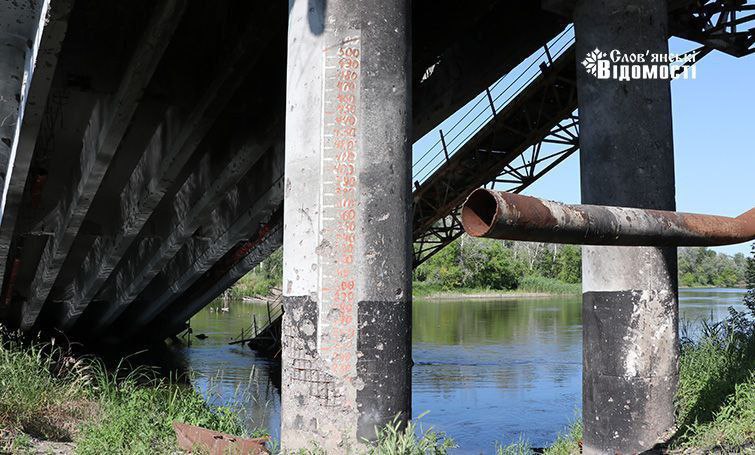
x: 454, y: 132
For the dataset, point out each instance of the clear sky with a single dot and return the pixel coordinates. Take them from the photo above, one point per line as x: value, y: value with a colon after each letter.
x: 714, y: 141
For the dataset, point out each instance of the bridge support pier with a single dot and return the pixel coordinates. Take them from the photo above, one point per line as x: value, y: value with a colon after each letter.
x: 347, y: 223
x: 629, y: 311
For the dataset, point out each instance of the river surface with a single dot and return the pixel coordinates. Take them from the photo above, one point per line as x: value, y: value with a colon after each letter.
x: 486, y: 371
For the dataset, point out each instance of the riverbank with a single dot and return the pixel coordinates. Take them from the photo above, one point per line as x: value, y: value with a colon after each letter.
x: 53, y: 403
x: 529, y: 287
x: 485, y: 295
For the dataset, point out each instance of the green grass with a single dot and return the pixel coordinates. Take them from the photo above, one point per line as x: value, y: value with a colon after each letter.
x: 394, y: 439
x: 422, y: 289
x: 528, y: 284
x: 39, y: 394
x: 565, y: 444
x: 48, y: 395
x: 258, y: 282
x: 138, y: 411
x: 251, y: 285
x: 519, y: 447
x: 716, y: 397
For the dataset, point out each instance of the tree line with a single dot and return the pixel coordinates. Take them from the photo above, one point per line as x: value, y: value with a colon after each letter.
x: 474, y: 263
x: 492, y: 264
x: 701, y: 267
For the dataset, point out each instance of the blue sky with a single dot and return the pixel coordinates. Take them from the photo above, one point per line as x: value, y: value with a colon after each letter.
x: 714, y: 126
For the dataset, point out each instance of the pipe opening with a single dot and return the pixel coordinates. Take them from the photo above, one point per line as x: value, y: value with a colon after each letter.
x: 479, y: 212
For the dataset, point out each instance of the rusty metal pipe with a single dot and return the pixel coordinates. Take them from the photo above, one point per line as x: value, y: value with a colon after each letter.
x: 509, y: 216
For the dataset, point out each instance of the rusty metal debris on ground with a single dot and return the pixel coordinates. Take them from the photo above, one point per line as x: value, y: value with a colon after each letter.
x: 191, y: 438
x: 509, y: 216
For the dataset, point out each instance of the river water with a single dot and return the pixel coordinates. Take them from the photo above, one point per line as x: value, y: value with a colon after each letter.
x: 486, y: 371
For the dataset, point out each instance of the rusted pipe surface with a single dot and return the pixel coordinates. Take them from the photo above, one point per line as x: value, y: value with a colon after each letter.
x: 509, y: 216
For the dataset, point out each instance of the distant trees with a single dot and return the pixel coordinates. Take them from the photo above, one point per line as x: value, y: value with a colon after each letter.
x: 475, y: 263
x: 700, y: 267
x: 491, y: 264
x: 569, y: 264
x: 482, y: 263
x: 260, y: 280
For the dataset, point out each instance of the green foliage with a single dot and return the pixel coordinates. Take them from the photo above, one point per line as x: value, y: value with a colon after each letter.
x: 138, y: 411
x: 569, y: 264
x: 36, y: 396
x: 520, y: 447
x: 750, y: 279
x: 701, y: 267
x: 443, y: 270
x: 482, y: 264
x: 716, y: 397
x: 489, y: 264
x: 48, y: 394
x: 399, y: 439
x: 733, y: 425
x: 567, y: 443
x: 21, y: 444
x: 258, y: 282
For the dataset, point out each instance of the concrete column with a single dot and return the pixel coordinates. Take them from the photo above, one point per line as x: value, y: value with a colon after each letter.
x: 629, y: 311
x: 347, y: 222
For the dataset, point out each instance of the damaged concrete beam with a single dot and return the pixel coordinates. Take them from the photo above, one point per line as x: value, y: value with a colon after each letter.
x: 232, y: 222
x: 40, y: 61
x: 107, y: 126
x: 222, y: 275
x: 173, y: 143
x: 169, y: 229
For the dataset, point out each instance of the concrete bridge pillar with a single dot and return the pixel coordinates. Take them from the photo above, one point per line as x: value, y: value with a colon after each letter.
x: 629, y: 311
x: 347, y: 222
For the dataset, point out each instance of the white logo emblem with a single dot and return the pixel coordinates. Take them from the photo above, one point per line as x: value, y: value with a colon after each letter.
x: 591, y: 61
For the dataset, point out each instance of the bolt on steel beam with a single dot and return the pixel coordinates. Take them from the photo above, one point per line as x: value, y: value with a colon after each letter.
x: 501, y: 215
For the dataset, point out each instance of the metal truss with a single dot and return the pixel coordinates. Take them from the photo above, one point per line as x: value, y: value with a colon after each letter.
x: 724, y: 25
x: 537, y: 160
x: 524, y: 139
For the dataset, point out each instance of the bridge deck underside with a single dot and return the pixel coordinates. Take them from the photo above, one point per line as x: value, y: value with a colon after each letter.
x: 148, y: 168
x: 154, y: 178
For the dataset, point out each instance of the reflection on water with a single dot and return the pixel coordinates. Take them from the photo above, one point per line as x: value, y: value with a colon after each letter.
x: 486, y: 371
